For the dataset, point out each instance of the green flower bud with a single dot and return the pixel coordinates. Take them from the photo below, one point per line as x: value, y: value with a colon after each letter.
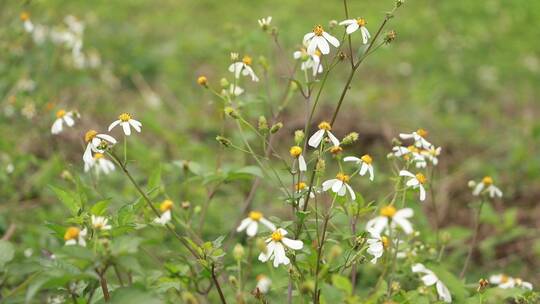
x: 224, y: 141
x: 224, y: 83
x: 238, y: 252
x: 349, y: 139
x: 299, y: 136
x: 230, y: 111
x: 263, y: 124
x: 276, y: 127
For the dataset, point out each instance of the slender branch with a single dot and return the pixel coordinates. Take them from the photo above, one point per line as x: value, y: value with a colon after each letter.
x: 218, y: 287
x: 103, y: 283
x: 474, y: 240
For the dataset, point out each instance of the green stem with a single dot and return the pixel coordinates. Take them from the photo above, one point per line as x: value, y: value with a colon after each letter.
x: 474, y: 240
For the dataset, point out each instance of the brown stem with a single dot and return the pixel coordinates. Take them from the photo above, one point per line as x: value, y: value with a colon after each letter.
x: 103, y: 283
x: 218, y: 287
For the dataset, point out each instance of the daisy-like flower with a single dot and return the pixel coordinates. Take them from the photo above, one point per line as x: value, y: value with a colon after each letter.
x: 75, y: 236
x: 264, y: 23
x: 243, y: 67
x: 309, y: 61
x: 251, y: 223
x: 301, y: 186
x: 263, y: 283
x: 391, y: 217
x: 324, y: 129
x: 339, y: 185
x: 503, y: 281
x: 166, y: 212
x: 96, y: 142
x: 419, y: 137
x: 100, y: 223
x: 127, y: 123
x: 432, y: 154
x: 63, y: 116
x: 416, y: 181
x: 486, y: 185
x: 352, y: 25
x: 365, y: 163
x: 318, y: 39
x: 275, y: 247
x: 429, y: 278
x: 27, y: 23
x: 376, y: 245
x: 100, y: 163
x: 296, y: 152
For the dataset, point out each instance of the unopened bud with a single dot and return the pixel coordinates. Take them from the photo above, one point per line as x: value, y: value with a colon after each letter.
x: 263, y: 124
x: 321, y: 166
x: 234, y: 56
x: 482, y: 284
x: 224, y: 141
x: 238, y: 252
x: 203, y: 81
x: 336, y: 150
x: 390, y: 36
x: 299, y: 136
x: 185, y: 205
x: 224, y: 83
x: 276, y: 127
x: 307, y: 287
x: 233, y: 281
x: 342, y: 56
x: 350, y: 138
x: 399, y: 3
x: 332, y: 23
x: 471, y: 184
x: 230, y: 111
x: 66, y: 175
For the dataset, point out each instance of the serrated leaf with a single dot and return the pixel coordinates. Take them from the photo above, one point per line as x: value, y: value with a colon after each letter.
x: 100, y: 207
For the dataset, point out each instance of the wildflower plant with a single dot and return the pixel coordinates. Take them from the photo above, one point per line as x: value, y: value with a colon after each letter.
x: 321, y: 237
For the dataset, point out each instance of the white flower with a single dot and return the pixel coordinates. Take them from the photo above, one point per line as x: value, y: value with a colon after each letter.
x: 309, y: 61
x: 62, y: 117
x: 316, y: 138
x: 419, y: 138
x: 416, y: 182
x: 354, y: 24
x: 263, y: 283
x: 243, y: 67
x: 100, y: 223
x: 431, y: 279
x: 504, y: 281
x: 296, y: 152
x: 275, y: 248
x: 339, y: 185
x: 100, y: 163
x: 96, y: 142
x: 27, y: 23
x: 486, y: 185
x: 400, y: 151
x: 166, y: 212
x: 264, y: 23
x: 251, y: 223
x: 376, y: 245
x: 318, y: 39
x: 301, y: 186
x: 75, y: 236
x: 365, y: 163
x: 127, y: 123
x: 234, y: 90
x: 390, y: 217
x: 432, y: 154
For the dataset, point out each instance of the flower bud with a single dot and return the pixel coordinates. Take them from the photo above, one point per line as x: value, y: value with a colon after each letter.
x: 189, y: 298
x: 276, y: 127
x: 349, y: 139
x: 299, y: 136
x: 307, y: 287
x: 234, y: 56
x: 224, y: 82
x: 185, y: 205
x: 230, y: 111
x: 238, y: 252
x: 261, y: 245
x: 471, y: 184
x: 336, y: 150
x: 233, y: 281
x: 203, y: 81
x: 332, y: 23
x: 263, y: 124
x: 321, y: 166
x: 399, y: 3
x: 390, y: 36
x: 482, y: 284
x: 224, y: 141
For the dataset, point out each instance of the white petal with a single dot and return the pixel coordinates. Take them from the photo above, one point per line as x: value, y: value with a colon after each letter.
x: 347, y: 22
x: 316, y: 138
x: 268, y: 224
x: 57, y: 126
x: 322, y: 44
x: 107, y: 138
x: 127, y: 129
x: 113, y: 124
x: 352, y: 28
x: 293, y: 244
x: 336, y: 187
x: 351, y: 192
x: 443, y: 292
x: 377, y: 224
x: 69, y: 120
x: 406, y: 173
x: 352, y: 159
x: 429, y: 279
x: 328, y: 184
x: 279, y: 255
x: 308, y: 36
x: 252, y: 228
x: 333, y: 40
x: 371, y: 175
x: 422, y: 193
x: 404, y: 224
x: 404, y: 213
x: 333, y: 139
x: 302, y: 163
x: 363, y: 169
x: 135, y: 124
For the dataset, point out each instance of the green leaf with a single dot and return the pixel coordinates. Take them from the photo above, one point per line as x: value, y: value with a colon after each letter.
x: 134, y: 295
x: 342, y: 283
x: 125, y: 245
x: 100, y: 207
x: 7, y: 252
x: 154, y: 180
x: 69, y: 199
x: 245, y: 173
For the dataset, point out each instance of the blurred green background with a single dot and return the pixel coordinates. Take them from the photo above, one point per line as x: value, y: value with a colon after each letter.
x: 467, y: 71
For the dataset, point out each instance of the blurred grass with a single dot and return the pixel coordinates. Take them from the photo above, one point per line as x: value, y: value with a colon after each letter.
x: 468, y: 71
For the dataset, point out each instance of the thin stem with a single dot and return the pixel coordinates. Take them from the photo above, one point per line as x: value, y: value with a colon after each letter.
x: 474, y: 240
x: 118, y: 275
x: 103, y: 283
x: 316, y: 293
x: 218, y: 287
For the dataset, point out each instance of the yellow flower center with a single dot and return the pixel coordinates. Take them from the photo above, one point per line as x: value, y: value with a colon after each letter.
x: 385, y: 241
x: 336, y: 149
x: 247, y: 60
x: 202, y: 80
x: 301, y: 186
x: 24, y: 16
x: 318, y: 30
x: 124, y: 117
x: 60, y: 113
x: 90, y: 135
x: 343, y: 177
x: 98, y: 155
x: 367, y: 159
x: 504, y: 278
x: 487, y: 180
x: 422, y: 132
x: 318, y: 53
x: 255, y: 215
x: 166, y: 205
x: 413, y: 149
x: 325, y: 126
x: 295, y: 151
x: 388, y: 211
x: 276, y: 236
x: 421, y: 178
x: 71, y: 233
x: 361, y: 21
